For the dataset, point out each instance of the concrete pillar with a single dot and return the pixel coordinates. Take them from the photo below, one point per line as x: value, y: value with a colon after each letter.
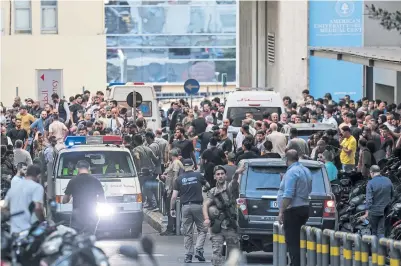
x: 252, y: 43
x: 246, y: 38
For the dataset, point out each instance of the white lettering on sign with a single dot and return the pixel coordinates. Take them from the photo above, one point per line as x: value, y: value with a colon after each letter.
x: 253, y: 100
x: 340, y: 27
x: 49, y: 82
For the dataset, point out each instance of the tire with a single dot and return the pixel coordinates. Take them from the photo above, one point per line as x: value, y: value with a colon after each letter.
x: 136, y: 232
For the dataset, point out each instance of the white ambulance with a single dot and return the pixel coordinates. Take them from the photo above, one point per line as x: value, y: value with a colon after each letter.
x: 251, y: 100
x: 149, y: 107
x: 113, y: 165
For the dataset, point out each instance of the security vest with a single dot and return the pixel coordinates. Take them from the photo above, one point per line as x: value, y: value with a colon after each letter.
x: 117, y: 166
x: 66, y: 171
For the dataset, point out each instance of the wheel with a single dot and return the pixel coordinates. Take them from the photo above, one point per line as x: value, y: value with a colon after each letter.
x: 136, y: 232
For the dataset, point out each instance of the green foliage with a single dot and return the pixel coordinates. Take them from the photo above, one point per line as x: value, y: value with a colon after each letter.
x: 389, y: 20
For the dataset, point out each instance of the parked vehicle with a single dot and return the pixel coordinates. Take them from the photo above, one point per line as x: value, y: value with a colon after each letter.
x: 257, y: 202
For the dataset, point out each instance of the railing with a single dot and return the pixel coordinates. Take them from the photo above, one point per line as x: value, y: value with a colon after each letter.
x: 324, y: 248
x: 161, y: 204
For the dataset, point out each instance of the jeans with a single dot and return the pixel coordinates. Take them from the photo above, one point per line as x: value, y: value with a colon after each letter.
x: 149, y: 193
x: 294, y: 219
x: 377, y: 225
x: 348, y: 167
x: 170, y: 219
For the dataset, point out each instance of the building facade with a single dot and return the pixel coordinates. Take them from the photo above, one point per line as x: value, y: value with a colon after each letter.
x: 167, y: 42
x: 51, y: 46
x: 274, y: 37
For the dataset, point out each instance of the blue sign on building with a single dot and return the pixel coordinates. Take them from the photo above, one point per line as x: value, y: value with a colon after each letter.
x: 335, y: 24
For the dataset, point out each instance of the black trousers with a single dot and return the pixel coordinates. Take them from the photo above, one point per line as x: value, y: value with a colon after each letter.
x: 170, y: 219
x: 294, y: 219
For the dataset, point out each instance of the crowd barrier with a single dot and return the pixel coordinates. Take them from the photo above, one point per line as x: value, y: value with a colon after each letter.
x: 161, y: 204
x: 329, y: 247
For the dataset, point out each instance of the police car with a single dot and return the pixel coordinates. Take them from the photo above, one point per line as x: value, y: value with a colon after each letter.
x: 113, y: 165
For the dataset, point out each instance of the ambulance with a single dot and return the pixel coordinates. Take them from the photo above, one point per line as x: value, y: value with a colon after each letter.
x: 149, y: 107
x: 251, y: 100
x: 113, y: 165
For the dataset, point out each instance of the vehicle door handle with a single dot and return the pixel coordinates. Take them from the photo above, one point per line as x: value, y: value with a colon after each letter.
x: 269, y: 197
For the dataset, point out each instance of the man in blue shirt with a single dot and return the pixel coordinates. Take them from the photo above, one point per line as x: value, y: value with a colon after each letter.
x: 379, y: 194
x: 293, y: 200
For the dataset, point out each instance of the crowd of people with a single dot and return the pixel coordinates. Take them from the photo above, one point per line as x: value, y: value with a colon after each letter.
x: 201, y: 141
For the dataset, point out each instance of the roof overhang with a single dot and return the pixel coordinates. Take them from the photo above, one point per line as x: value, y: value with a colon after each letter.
x: 380, y: 57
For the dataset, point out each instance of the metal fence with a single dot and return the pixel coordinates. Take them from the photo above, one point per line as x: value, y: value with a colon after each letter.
x: 329, y: 247
x: 161, y: 204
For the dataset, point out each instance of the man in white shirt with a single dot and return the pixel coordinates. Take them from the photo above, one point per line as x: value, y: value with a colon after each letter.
x: 57, y: 129
x: 278, y: 139
x: 328, y: 117
x: 27, y: 197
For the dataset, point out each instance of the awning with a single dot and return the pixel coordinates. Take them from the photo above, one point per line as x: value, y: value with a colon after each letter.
x: 380, y: 57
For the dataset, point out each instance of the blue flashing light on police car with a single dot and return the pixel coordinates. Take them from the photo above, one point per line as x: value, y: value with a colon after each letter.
x: 92, y: 140
x: 75, y: 140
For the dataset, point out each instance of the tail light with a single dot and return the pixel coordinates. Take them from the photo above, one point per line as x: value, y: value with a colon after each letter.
x: 241, y: 203
x: 329, y: 208
x: 59, y: 199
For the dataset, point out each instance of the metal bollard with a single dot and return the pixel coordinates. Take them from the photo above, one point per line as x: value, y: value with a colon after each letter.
x: 382, y: 251
x: 356, y: 239
x: 178, y: 217
x: 341, y: 236
x: 302, y: 245
x: 310, y: 246
x: 374, y: 244
x: 318, y: 237
x: 282, y: 259
x: 276, y: 226
x: 397, y: 252
x: 325, y: 247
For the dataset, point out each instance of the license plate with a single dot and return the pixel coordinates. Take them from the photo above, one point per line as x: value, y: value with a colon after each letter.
x: 274, y: 204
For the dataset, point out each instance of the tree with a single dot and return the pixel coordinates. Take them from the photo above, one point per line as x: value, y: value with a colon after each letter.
x: 389, y: 20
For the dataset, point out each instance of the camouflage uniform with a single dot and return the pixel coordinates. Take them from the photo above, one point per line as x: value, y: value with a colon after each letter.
x: 224, y: 211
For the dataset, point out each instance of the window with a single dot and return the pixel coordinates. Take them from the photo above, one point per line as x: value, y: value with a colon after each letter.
x: 266, y: 180
x: 237, y: 114
x: 22, y: 20
x: 102, y: 164
x: 49, y: 16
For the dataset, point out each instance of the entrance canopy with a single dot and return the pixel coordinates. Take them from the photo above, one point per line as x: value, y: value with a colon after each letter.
x: 380, y: 57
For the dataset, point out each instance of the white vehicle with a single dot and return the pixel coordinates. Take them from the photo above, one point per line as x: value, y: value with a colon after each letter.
x: 113, y: 165
x: 255, y: 101
x: 149, y: 106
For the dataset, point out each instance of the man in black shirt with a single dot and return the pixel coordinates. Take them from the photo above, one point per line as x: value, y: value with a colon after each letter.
x: 248, y: 153
x: 189, y: 186
x: 186, y: 146
x: 199, y: 124
x: 18, y: 133
x: 87, y: 191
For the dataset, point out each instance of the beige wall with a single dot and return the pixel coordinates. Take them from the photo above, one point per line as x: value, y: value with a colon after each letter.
x: 79, y: 49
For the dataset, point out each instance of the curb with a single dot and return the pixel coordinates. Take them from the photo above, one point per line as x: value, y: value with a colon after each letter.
x: 155, y: 220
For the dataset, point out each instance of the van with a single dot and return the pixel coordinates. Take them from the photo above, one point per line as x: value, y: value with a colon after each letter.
x: 113, y: 165
x: 149, y: 107
x: 255, y: 101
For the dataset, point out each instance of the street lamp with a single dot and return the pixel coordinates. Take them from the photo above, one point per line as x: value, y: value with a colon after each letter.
x: 217, y: 80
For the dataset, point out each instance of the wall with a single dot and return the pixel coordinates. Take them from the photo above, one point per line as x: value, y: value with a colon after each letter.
x: 79, y: 49
x: 376, y: 35
x: 288, y: 21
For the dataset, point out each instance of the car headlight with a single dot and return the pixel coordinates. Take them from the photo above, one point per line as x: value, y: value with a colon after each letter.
x: 104, y: 209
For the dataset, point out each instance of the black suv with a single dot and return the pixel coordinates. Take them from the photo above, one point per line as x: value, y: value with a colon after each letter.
x: 257, y: 202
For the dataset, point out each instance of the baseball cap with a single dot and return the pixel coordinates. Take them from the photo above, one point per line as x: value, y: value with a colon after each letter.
x: 187, y: 162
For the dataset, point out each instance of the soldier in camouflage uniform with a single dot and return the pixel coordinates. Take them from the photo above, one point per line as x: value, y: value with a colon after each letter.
x: 220, y: 212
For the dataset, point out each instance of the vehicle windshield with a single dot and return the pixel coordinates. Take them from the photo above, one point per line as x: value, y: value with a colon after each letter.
x: 266, y: 180
x: 102, y: 164
x: 237, y: 114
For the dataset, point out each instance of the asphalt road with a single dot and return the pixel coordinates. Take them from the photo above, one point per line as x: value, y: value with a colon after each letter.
x: 169, y: 251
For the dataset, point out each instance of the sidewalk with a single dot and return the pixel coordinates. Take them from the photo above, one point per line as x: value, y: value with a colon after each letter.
x: 155, y: 219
